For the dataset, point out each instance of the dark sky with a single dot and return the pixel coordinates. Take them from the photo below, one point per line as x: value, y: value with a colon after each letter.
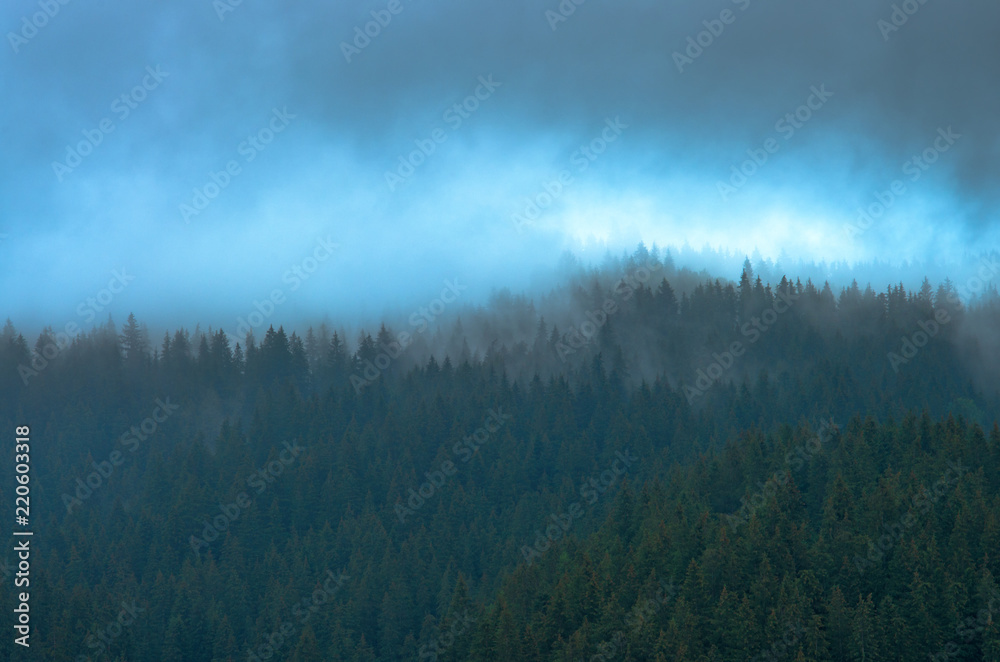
x: 630, y: 126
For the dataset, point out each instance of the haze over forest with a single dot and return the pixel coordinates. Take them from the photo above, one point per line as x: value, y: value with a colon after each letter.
x: 222, y: 72
x: 500, y: 330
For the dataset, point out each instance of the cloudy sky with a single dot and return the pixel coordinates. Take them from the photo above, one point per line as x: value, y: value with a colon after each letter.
x: 207, y: 151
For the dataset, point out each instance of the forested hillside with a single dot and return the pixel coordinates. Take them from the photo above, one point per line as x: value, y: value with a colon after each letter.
x: 642, y: 465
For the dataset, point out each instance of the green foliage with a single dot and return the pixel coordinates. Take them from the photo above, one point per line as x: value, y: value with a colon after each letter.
x: 746, y: 526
